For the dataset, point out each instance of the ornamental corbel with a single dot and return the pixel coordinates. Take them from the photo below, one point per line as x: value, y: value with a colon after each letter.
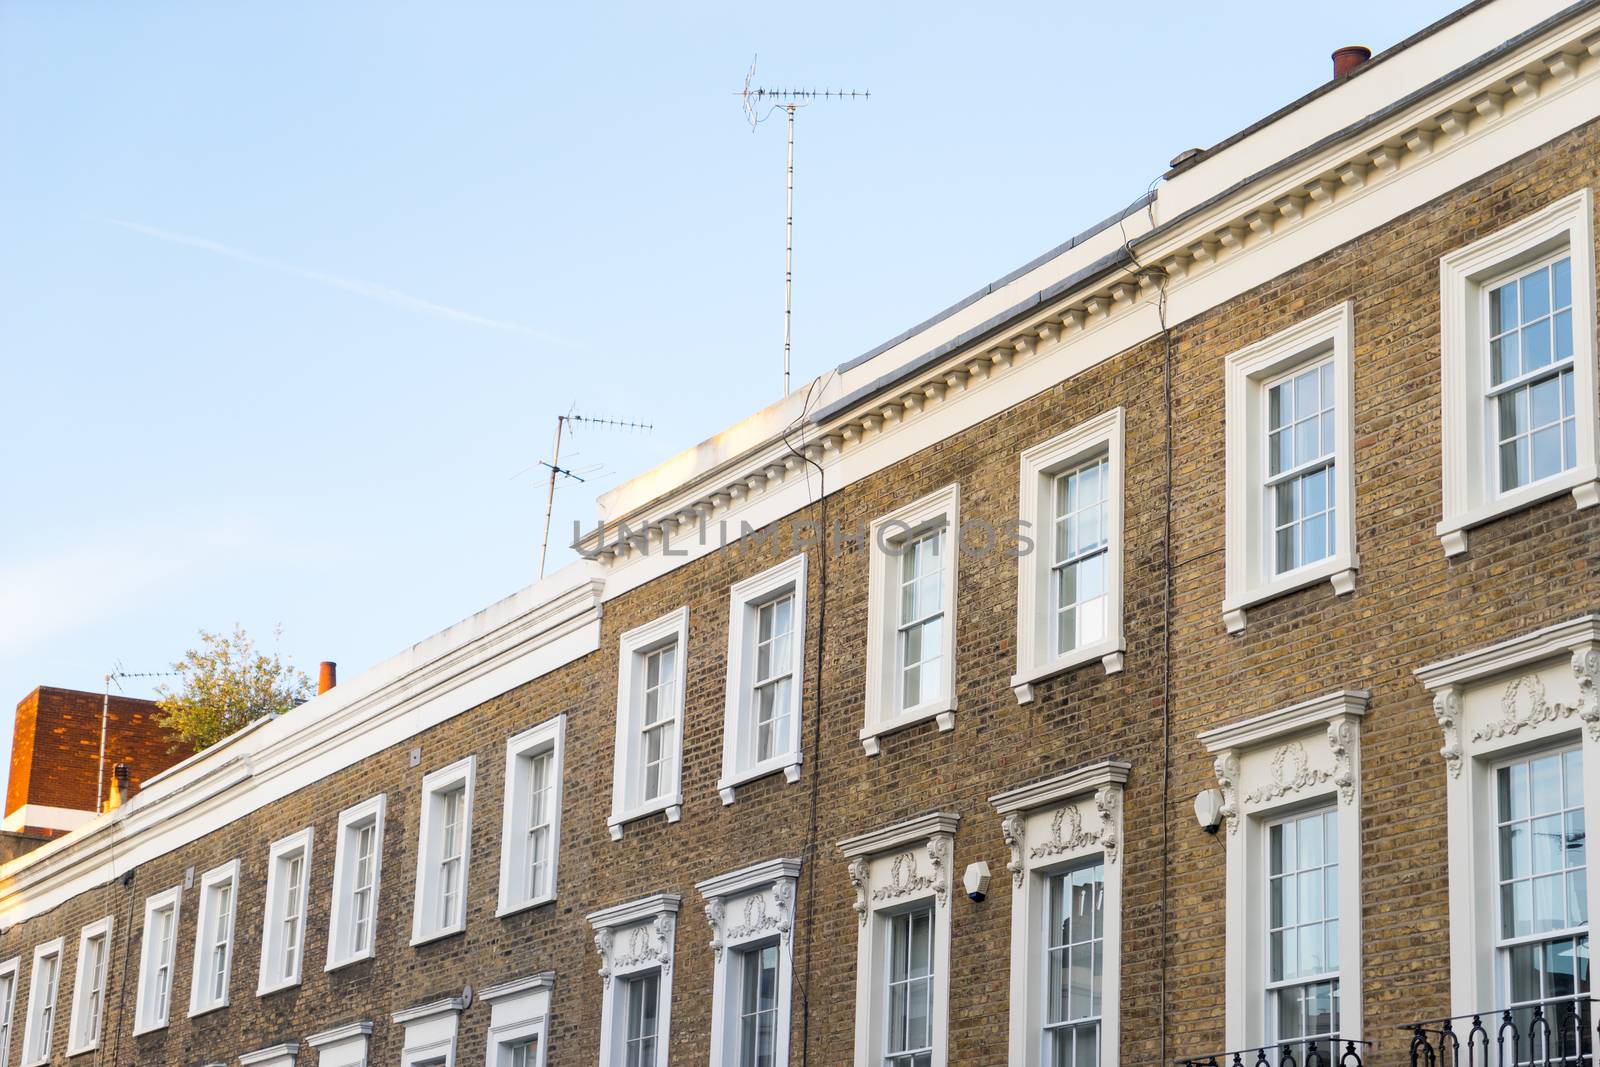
x: 1342, y: 739
x: 858, y: 879
x: 1447, y: 709
x: 602, y: 944
x: 714, y: 916
x: 663, y: 931
x: 1011, y: 828
x: 1586, y: 668
x: 1108, y: 801
x: 939, y: 857
x: 1226, y: 768
x: 783, y: 897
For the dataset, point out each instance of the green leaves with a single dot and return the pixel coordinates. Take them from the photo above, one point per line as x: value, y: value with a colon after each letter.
x: 226, y: 684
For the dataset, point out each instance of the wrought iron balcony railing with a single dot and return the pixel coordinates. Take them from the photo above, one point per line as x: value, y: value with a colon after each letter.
x: 1550, y: 1034
x: 1336, y: 1051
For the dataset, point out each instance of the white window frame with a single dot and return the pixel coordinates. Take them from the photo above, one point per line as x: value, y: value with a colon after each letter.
x: 38, y: 1003
x: 739, y: 727
x: 1534, y: 692
x: 941, y: 508
x: 273, y: 914
x: 144, y: 1021
x: 200, y: 1001
x: 369, y: 812
x: 1049, y: 827
x: 634, y: 939
x: 747, y: 908
x: 342, y: 1046
x: 548, y: 737
x: 628, y: 765
x: 1294, y: 759
x: 11, y: 975
x: 1250, y: 371
x: 1041, y: 465
x: 1471, y: 487
x: 519, y: 1009
x: 80, y: 1038
x: 426, y: 923
x: 894, y: 869
x: 431, y: 1030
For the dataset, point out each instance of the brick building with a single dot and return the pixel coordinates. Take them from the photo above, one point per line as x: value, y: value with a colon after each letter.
x: 1214, y: 597
x: 56, y: 759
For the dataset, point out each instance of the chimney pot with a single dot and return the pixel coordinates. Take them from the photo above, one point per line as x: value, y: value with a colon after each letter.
x: 327, y: 676
x: 1348, y: 58
x: 119, y: 787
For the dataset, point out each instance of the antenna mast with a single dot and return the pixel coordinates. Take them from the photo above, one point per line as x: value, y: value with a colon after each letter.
x: 563, y: 425
x: 789, y: 99
x: 116, y: 674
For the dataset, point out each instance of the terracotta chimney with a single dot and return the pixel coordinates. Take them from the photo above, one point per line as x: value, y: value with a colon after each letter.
x: 119, y: 787
x: 1348, y: 58
x: 327, y: 676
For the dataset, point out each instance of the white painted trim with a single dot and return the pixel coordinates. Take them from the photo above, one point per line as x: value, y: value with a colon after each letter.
x: 1471, y: 495
x: 77, y: 1040
x: 549, y: 736
x: 519, y: 1008
x: 431, y: 1031
x: 508, y: 644
x: 1304, y: 755
x: 342, y: 1046
x: 889, y: 876
x: 10, y: 972
x: 1033, y: 820
x: 271, y: 919
x: 462, y: 773
x: 55, y: 948
x: 738, y: 727
x: 1249, y: 579
x: 344, y: 860
x: 45, y: 817
x: 671, y: 628
x: 649, y: 925
x: 226, y: 874
x: 1035, y: 620
x: 283, y: 1054
x: 1567, y: 654
x: 750, y: 907
x: 941, y: 508
x: 142, y: 1005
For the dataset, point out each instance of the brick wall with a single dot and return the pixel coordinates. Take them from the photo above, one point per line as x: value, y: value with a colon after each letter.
x: 55, y: 747
x: 1183, y: 673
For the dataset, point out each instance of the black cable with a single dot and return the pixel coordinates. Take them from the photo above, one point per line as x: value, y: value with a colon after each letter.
x: 816, y: 721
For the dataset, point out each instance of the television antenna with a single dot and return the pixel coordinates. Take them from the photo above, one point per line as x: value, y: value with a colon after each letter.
x: 564, y: 424
x: 114, y: 676
x: 759, y: 104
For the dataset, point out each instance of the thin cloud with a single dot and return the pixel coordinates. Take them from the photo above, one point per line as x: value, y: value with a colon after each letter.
x: 370, y: 290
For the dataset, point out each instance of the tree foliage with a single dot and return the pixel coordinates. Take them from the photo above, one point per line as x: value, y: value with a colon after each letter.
x: 224, y: 685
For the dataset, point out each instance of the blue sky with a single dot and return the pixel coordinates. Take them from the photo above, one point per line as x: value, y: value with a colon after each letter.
x: 294, y: 290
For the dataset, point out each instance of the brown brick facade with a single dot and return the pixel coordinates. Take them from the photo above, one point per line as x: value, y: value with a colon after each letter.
x: 1184, y: 673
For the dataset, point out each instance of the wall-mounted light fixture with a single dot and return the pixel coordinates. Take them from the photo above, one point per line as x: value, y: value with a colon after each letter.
x: 1208, y: 810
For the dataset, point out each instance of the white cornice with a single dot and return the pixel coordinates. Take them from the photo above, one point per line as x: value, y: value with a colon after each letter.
x: 634, y: 911
x: 512, y: 987
x: 911, y: 831
x: 1562, y: 638
x: 521, y: 638
x: 340, y: 1034
x: 431, y: 1009
x: 286, y: 1051
x: 1073, y: 783
x: 1342, y: 704
x: 1314, y: 201
x: 756, y: 876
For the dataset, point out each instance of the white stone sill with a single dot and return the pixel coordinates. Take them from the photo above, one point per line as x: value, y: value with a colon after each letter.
x: 942, y: 710
x: 672, y: 805
x: 1109, y: 653
x: 788, y: 763
x: 1582, y: 482
x: 1338, y: 570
